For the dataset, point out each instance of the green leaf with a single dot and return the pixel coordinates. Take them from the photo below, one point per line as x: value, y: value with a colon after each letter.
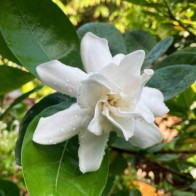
x: 18, y: 100
x: 180, y: 104
x: 166, y: 157
x: 183, y: 193
x: 8, y: 188
x: 173, y: 80
x: 50, y: 100
x: 107, y: 31
x: 53, y: 170
x: 118, y: 164
x: 185, y: 56
x: 12, y: 78
x: 6, y: 52
x: 135, y: 192
x: 139, y: 40
x: 157, y: 51
x: 38, y: 31
x: 109, y: 186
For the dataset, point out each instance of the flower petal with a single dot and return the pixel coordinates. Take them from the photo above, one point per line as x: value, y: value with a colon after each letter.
x: 154, y: 100
x: 91, y: 151
x: 95, y: 52
x: 132, y: 62
x: 129, y: 67
x: 60, y: 126
x: 99, y: 123
x: 145, y: 134
x: 63, y: 78
x: 127, y: 74
x: 90, y: 92
x: 144, y: 111
x: 125, y: 125
x: 93, y: 89
x: 118, y: 58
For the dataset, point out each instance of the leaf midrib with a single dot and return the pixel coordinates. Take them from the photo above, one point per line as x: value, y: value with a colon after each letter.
x: 59, y: 167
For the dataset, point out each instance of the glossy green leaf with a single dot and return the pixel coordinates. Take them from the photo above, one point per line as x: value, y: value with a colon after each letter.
x: 50, y: 100
x: 12, y: 78
x: 53, y: 170
x: 8, y: 188
x: 139, y: 40
x: 173, y: 80
x: 157, y: 51
x: 6, y: 52
x: 38, y: 31
x: 185, y: 56
x: 108, y: 31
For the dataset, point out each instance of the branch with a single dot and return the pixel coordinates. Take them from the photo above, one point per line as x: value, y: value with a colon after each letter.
x: 159, y: 152
x: 172, y: 16
x: 173, y: 171
x: 176, y: 152
x: 158, y: 164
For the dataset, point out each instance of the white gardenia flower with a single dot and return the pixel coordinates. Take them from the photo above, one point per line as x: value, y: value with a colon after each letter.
x: 110, y: 96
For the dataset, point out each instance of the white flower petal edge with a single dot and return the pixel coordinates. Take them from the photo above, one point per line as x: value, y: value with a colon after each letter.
x: 145, y: 134
x: 60, y: 126
x: 95, y: 52
x: 154, y: 100
x: 91, y: 151
x: 63, y: 78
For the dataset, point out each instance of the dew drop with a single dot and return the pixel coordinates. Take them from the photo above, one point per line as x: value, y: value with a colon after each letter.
x: 73, y: 128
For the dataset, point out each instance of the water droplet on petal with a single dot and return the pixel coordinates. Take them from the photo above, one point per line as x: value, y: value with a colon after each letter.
x: 73, y: 128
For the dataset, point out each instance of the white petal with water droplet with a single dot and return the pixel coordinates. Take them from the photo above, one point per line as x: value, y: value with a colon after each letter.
x: 63, y: 78
x: 60, y: 126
